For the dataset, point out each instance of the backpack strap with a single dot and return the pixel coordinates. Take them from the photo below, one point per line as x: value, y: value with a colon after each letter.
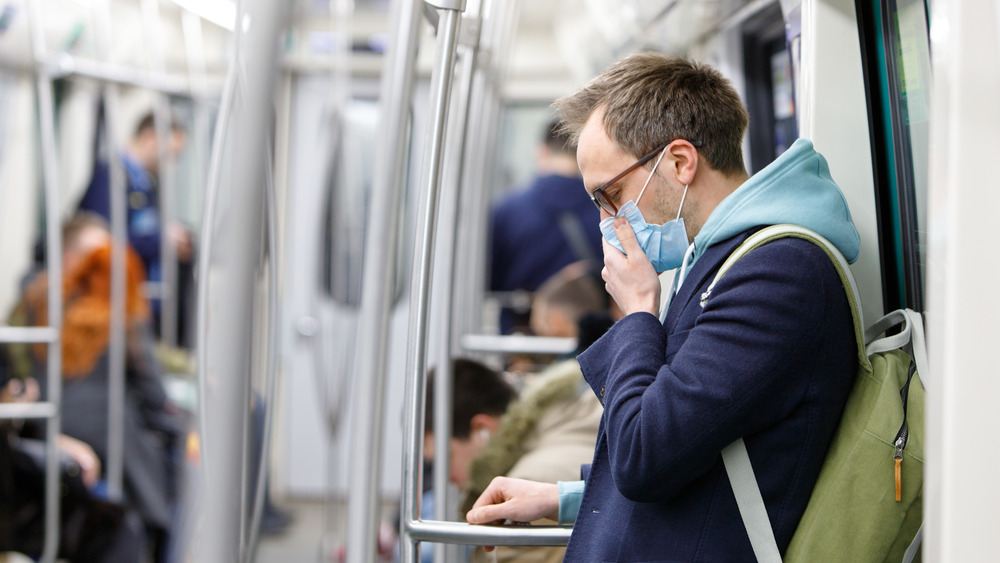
x: 735, y: 456
x: 750, y: 502
x: 774, y: 232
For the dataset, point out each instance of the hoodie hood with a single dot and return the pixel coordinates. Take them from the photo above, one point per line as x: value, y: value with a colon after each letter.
x: 796, y: 189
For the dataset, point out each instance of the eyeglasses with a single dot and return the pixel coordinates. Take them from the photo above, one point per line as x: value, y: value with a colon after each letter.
x: 600, y: 197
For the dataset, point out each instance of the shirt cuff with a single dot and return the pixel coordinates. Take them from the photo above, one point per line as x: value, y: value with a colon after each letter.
x: 570, y: 497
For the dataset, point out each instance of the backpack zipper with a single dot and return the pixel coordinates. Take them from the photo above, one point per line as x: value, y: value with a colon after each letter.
x: 902, y: 435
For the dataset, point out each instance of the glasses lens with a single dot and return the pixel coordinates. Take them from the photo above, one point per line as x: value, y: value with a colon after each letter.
x: 604, y: 202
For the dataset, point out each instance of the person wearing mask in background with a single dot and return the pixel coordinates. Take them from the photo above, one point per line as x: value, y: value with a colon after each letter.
x: 536, y: 232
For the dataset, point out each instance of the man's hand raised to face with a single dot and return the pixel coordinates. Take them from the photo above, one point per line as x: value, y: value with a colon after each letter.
x: 630, y: 278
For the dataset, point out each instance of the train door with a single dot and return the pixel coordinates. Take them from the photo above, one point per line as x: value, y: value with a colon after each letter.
x: 331, y: 166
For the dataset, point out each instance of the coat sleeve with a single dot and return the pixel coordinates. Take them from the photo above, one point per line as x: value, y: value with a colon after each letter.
x: 673, y: 402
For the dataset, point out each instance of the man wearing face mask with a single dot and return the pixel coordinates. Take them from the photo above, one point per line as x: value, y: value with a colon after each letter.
x: 767, y: 356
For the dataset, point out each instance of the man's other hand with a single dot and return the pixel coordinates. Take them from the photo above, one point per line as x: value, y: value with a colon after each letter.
x: 515, y: 500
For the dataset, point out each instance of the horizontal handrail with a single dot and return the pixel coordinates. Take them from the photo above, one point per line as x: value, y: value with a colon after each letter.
x: 517, y: 343
x: 436, y: 531
x: 28, y: 335
x: 27, y: 410
x: 68, y: 65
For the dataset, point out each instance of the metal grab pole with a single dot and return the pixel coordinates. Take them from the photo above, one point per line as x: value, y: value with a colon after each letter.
x: 119, y: 235
x: 205, y: 252
x: 451, y: 204
x: 271, y: 370
x: 445, y: 296
x: 416, y: 376
x: 53, y: 247
x: 460, y: 532
x: 378, y: 278
x: 517, y: 344
x: 163, y: 123
x: 218, y: 531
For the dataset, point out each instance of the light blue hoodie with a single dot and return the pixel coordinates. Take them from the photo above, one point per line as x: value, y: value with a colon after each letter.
x: 796, y: 188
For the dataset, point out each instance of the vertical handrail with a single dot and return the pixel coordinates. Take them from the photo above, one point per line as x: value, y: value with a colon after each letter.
x: 416, y: 381
x: 271, y: 368
x: 194, y: 50
x: 205, y: 253
x: 53, y: 249
x: 378, y: 279
x: 413, y: 529
x: 219, y: 535
x: 475, y: 182
x: 163, y: 123
x: 119, y: 236
x: 454, y: 192
x: 333, y: 374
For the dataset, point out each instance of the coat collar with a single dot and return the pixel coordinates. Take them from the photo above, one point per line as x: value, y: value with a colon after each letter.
x: 706, y: 266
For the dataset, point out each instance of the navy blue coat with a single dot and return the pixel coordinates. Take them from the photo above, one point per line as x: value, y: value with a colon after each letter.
x: 770, y: 358
x: 529, y: 244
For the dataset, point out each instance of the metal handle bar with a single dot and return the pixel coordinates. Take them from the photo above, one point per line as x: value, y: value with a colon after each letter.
x: 119, y: 216
x: 53, y: 246
x: 272, y: 356
x: 27, y: 410
x: 378, y: 278
x: 416, y: 381
x: 64, y: 64
x: 28, y: 335
x: 468, y: 534
x: 518, y: 344
x: 220, y: 535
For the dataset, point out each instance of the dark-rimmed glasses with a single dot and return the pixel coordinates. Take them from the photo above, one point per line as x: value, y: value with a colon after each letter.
x: 603, y: 201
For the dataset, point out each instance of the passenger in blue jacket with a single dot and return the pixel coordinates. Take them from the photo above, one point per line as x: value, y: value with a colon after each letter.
x: 538, y: 231
x: 141, y: 161
x: 768, y: 356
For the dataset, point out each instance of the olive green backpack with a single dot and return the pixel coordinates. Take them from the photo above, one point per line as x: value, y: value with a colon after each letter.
x: 867, y: 504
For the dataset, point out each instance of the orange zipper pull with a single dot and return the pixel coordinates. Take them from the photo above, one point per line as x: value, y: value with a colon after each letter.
x: 898, y: 457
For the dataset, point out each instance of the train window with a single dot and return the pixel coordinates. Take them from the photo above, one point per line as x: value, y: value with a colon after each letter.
x: 896, y: 44
x: 521, y: 132
x: 349, y: 184
x: 349, y: 176
x: 769, y: 93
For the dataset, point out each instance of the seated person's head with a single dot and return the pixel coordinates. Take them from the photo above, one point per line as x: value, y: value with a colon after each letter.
x: 564, y: 299
x: 480, y: 397
x: 82, y: 234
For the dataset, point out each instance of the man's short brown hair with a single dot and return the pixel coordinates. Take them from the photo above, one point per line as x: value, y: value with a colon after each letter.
x: 650, y: 99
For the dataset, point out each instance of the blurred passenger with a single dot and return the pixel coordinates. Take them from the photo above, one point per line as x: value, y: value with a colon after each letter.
x: 544, y: 434
x: 141, y: 161
x: 152, y: 433
x: 541, y: 229
x: 570, y: 304
x: 90, y: 529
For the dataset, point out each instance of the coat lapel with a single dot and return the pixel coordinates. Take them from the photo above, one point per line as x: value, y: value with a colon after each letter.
x: 706, y: 266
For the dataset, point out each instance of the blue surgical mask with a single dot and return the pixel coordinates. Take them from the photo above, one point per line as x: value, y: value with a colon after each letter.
x: 664, y: 244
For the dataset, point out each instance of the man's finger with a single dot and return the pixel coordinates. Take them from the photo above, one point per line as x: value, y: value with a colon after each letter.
x: 609, y: 249
x: 483, y: 514
x: 626, y: 236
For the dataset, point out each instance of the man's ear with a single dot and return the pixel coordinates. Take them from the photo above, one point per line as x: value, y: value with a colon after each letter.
x: 684, y: 160
x: 484, y: 421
